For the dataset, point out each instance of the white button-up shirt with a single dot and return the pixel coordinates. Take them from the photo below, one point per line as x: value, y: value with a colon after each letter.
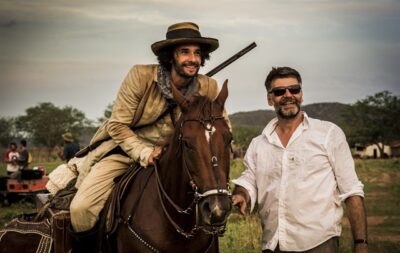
x: 299, y: 188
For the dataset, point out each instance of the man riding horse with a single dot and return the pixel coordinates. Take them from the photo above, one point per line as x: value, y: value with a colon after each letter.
x: 141, y: 122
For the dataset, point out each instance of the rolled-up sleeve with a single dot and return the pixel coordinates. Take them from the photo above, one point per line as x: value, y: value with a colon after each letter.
x: 248, y: 177
x: 125, y: 107
x: 343, y: 164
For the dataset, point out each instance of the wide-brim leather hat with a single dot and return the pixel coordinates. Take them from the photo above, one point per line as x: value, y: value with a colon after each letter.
x: 184, y: 33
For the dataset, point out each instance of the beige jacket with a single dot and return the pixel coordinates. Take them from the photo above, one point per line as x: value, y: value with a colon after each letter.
x: 139, y: 102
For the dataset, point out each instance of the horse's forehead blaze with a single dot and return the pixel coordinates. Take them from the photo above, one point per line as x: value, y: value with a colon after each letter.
x: 210, y: 129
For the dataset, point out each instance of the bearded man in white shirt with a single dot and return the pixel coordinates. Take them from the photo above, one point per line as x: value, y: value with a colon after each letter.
x: 299, y: 170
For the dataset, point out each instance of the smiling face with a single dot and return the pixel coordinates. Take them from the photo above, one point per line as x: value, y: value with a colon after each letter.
x: 187, y: 60
x: 287, y: 105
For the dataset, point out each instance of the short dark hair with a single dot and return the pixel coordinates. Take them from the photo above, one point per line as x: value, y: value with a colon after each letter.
x: 23, y: 142
x: 281, y: 72
x: 166, y: 56
x: 13, y: 144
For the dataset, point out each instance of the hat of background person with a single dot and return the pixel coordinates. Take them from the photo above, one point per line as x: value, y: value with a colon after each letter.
x: 68, y: 137
x: 184, y: 33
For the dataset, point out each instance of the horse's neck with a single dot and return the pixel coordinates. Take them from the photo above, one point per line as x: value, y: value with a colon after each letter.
x: 173, y: 176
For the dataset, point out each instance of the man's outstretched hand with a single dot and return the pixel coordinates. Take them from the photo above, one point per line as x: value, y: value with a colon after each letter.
x: 240, y: 198
x: 239, y: 201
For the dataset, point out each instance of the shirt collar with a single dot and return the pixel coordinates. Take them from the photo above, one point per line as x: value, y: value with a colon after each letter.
x: 271, y: 126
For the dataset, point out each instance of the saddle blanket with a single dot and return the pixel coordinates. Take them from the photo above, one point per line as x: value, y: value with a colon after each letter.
x: 23, y: 234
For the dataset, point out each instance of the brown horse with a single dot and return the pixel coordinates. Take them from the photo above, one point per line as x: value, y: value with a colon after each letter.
x: 183, y: 203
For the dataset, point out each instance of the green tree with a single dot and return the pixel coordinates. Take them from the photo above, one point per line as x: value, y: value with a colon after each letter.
x: 374, y: 120
x: 107, y: 113
x: 45, y: 123
x: 242, y: 136
x: 8, y: 131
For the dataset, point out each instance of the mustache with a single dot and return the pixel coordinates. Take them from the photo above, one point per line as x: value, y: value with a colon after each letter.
x: 288, y: 100
x: 190, y: 64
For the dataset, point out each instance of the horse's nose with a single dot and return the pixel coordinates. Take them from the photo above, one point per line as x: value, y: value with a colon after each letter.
x: 215, y: 210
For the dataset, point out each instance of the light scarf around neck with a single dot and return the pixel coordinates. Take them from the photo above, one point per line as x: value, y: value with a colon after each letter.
x: 164, y: 84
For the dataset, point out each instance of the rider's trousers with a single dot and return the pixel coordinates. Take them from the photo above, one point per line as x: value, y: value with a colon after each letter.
x: 94, y: 191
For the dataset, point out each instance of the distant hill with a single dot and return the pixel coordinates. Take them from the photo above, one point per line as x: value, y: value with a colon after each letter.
x: 332, y: 112
x: 324, y: 111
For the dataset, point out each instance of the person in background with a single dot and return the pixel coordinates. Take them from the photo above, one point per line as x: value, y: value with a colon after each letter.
x: 299, y: 170
x: 71, y: 147
x: 23, y: 160
x: 12, y: 158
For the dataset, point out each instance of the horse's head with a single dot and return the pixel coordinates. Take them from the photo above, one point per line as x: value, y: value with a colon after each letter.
x: 205, y: 142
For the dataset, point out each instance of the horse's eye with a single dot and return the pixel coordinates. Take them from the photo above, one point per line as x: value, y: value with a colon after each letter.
x: 187, y: 144
x: 228, y: 140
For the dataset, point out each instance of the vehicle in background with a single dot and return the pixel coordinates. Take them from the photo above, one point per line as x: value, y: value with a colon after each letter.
x: 29, y: 182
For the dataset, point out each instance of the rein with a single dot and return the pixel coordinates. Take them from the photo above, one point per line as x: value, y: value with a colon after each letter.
x: 216, y: 230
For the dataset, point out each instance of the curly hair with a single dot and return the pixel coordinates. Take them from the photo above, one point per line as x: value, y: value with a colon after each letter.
x: 166, y: 56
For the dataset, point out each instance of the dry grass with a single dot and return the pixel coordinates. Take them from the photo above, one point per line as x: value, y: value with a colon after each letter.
x: 382, y: 189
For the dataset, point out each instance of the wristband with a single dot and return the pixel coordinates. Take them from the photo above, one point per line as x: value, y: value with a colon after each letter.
x: 360, y: 241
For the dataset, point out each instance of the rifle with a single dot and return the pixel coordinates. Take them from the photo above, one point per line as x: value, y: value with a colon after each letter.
x: 232, y: 59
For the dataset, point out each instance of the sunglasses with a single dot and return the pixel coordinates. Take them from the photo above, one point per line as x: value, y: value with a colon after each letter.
x: 294, y: 89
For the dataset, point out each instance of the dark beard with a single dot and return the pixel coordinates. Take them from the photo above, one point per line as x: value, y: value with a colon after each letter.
x: 288, y: 114
x: 181, y: 72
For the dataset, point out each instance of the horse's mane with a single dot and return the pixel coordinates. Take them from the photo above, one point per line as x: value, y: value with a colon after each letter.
x: 197, y: 101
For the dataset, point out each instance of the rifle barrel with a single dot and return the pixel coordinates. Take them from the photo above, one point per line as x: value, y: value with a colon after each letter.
x: 232, y: 59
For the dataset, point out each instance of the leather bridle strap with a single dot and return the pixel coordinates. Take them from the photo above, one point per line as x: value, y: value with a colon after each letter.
x: 214, y: 160
x: 174, y: 224
x: 214, y: 192
x: 176, y: 206
x: 197, y: 196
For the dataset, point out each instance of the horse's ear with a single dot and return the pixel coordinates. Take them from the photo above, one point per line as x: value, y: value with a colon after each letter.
x: 178, y: 97
x: 223, y: 94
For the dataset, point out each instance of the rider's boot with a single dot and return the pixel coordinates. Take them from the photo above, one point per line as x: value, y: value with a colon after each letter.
x: 84, y: 242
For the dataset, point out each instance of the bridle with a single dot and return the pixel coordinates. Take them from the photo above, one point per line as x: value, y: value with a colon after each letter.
x: 214, y: 230
x: 198, y: 196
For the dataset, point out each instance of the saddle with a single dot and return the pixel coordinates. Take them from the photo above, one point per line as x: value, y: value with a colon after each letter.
x: 48, y: 228
x: 112, y: 208
x: 111, y: 214
x: 55, y: 210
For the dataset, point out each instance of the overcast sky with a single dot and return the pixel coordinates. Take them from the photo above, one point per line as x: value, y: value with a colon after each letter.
x: 78, y: 52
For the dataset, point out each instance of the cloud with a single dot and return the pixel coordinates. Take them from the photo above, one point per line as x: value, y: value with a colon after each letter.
x: 344, y: 49
x: 8, y: 24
